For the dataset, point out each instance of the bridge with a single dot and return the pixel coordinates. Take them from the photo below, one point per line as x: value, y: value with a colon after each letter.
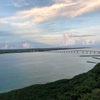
x: 77, y: 51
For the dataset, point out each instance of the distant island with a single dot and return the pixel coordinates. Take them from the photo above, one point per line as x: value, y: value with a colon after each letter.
x: 85, y: 86
x: 2, y: 51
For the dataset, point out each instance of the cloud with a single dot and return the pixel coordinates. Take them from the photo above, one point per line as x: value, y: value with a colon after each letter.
x: 71, y: 39
x: 88, y: 42
x: 18, y: 3
x: 3, y: 22
x: 81, y: 35
x: 28, y: 32
x: 61, y: 9
x: 68, y: 40
x: 5, y: 47
x: 51, y: 39
x: 22, y: 25
x: 26, y: 45
x: 95, y: 28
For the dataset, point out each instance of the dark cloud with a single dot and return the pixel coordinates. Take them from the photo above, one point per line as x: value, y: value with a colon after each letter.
x: 82, y: 35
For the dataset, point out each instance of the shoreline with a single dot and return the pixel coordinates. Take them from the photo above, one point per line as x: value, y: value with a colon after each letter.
x: 3, y: 51
x: 75, y: 88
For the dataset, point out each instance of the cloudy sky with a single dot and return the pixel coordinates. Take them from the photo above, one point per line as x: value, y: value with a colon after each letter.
x: 38, y: 23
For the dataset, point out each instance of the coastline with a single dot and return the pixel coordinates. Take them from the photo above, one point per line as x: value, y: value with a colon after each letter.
x: 75, y: 88
x: 3, y: 51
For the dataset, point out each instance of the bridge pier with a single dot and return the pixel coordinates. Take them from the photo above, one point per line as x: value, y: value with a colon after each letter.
x: 78, y: 52
x: 83, y: 52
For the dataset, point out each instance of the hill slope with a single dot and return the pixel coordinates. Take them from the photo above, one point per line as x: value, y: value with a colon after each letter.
x: 85, y: 86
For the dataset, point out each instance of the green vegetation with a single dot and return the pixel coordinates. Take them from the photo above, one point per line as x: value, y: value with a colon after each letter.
x: 85, y: 86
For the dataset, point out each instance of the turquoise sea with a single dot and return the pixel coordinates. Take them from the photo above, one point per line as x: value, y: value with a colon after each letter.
x: 18, y: 70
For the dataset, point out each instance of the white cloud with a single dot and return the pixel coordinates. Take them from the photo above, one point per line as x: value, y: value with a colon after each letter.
x: 26, y: 45
x: 5, y: 47
x: 3, y: 22
x: 68, y: 40
x: 17, y: 3
x: 94, y: 28
x: 61, y: 9
x: 22, y: 25
x: 88, y: 42
x: 28, y: 32
x: 71, y: 39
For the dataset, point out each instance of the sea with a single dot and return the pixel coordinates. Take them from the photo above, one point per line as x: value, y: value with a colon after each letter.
x: 19, y: 70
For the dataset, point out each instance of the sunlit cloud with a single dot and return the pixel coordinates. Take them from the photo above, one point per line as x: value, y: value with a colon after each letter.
x: 22, y: 25
x: 62, y: 9
x: 70, y: 39
x: 26, y: 45
x: 62, y: 22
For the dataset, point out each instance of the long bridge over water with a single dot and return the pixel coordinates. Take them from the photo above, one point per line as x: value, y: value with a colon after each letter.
x: 77, y: 51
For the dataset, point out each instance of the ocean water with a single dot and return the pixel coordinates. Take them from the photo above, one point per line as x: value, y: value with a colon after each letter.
x: 18, y: 70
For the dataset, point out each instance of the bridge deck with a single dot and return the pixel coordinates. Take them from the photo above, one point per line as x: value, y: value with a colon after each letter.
x: 77, y: 51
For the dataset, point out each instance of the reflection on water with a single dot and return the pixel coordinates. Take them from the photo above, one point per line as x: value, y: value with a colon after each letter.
x: 24, y: 69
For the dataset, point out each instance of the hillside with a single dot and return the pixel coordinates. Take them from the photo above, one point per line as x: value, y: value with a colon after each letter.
x: 84, y: 86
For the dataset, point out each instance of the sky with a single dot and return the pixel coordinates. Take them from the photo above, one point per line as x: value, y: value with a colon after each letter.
x: 45, y: 23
